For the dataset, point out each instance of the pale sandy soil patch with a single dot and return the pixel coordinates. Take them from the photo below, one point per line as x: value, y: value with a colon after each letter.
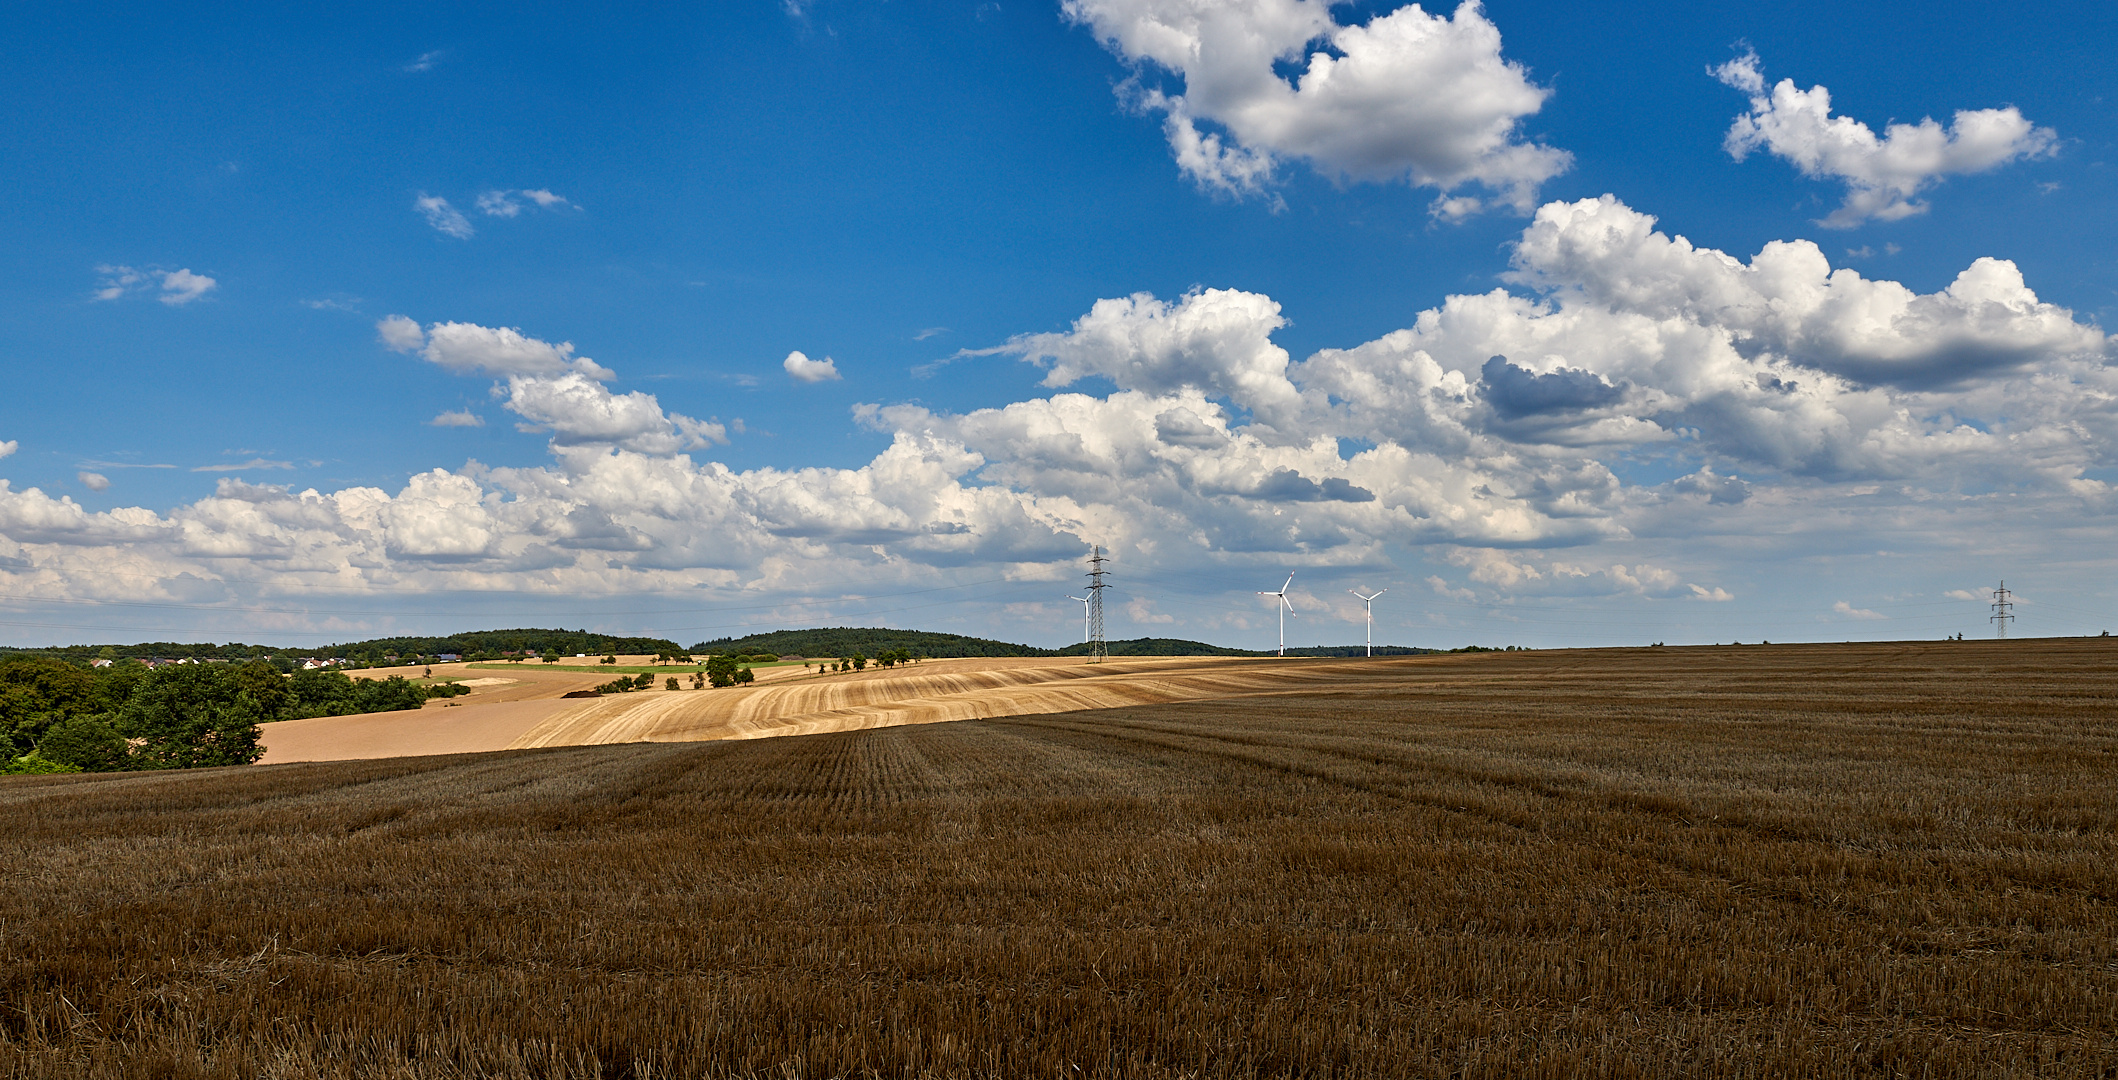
x: 407, y: 733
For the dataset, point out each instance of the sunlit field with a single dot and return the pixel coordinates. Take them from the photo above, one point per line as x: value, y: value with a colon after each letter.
x: 1785, y: 861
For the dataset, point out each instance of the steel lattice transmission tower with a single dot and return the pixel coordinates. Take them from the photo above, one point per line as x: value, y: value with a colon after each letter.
x: 1096, y: 573
x: 2003, y: 610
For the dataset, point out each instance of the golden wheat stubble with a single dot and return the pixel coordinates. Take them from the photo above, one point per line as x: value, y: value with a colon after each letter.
x: 1784, y: 861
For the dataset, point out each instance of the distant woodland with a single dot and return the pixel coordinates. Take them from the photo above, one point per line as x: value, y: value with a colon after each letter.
x: 375, y: 652
x: 874, y: 641
x: 837, y: 641
x: 57, y: 716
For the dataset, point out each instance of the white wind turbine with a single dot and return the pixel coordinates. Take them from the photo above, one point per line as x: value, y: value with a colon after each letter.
x: 1369, y: 603
x: 1286, y: 609
x: 1084, y: 615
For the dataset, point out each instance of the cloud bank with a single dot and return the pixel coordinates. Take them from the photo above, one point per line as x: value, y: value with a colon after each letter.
x: 1786, y: 397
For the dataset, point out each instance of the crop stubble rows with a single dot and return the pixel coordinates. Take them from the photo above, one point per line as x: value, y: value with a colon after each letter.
x: 1794, y: 861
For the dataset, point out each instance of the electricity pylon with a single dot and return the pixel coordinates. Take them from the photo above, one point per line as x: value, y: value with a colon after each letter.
x: 2003, y: 610
x: 1097, y: 653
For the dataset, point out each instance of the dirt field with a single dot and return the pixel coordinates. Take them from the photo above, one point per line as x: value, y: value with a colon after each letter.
x: 1792, y: 861
x: 791, y: 701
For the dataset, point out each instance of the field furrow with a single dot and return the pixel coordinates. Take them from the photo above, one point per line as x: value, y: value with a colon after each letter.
x: 1813, y: 861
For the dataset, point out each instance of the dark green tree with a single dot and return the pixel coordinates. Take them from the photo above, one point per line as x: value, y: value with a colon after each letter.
x: 720, y: 670
x: 84, y: 742
x: 191, y: 715
x: 37, y: 692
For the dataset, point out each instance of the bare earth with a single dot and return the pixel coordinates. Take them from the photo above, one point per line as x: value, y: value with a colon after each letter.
x: 790, y: 701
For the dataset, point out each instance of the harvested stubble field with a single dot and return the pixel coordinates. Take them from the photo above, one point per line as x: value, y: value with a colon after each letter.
x: 1770, y: 862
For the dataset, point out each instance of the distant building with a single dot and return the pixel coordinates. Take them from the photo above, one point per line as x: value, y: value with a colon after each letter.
x: 448, y: 657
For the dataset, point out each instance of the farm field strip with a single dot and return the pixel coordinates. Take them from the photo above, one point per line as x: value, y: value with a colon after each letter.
x: 914, y: 696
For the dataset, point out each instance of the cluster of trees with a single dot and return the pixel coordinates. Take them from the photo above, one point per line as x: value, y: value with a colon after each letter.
x: 626, y: 684
x: 62, y: 717
x: 726, y: 670
x: 859, y: 662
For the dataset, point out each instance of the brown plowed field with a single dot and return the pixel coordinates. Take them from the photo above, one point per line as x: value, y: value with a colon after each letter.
x: 1791, y: 861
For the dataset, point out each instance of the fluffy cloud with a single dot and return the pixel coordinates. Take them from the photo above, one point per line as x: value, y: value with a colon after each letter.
x: 1510, y: 439
x: 93, y: 481
x: 178, y: 287
x: 578, y: 411
x: 470, y: 349
x: 1407, y: 95
x: 806, y: 370
x: 9, y: 446
x: 1882, y: 175
x: 1789, y: 306
x: 553, y: 390
x: 443, y: 218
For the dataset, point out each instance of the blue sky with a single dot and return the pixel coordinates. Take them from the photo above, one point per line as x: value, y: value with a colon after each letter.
x: 215, y: 214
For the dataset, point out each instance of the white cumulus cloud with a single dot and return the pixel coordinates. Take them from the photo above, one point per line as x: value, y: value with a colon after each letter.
x: 578, y: 411
x: 1789, y: 407
x: 1851, y: 612
x: 9, y: 446
x: 554, y: 391
x: 183, y: 286
x: 1883, y: 175
x: 1408, y: 95
x: 470, y: 349
x: 806, y: 370
x: 93, y: 481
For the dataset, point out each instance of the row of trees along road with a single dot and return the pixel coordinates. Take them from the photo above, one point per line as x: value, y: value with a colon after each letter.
x: 62, y: 717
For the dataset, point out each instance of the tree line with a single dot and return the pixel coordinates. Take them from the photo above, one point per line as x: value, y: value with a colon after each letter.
x: 62, y: 717
x: 373, y: 652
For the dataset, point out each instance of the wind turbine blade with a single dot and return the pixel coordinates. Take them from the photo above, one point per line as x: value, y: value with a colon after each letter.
x: 1290, y: 581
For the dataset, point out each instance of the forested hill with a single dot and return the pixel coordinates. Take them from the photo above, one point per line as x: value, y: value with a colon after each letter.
x: 563, y: 642
x: 838, y: 641
x: 828, y: 642
x: 874, y: 641
x: 372, y: 651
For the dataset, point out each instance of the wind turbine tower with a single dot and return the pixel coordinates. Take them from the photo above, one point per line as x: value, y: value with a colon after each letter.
x: 2003, y: 610
x: 1368, y: 602
x: 1097, y: 653
x: 1285, y: 610
x: 1084, y: 615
